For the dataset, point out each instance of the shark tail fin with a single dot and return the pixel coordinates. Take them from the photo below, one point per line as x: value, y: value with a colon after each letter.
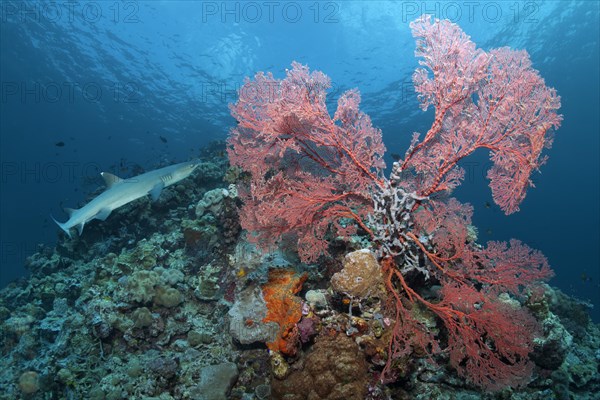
x: 62, y: 226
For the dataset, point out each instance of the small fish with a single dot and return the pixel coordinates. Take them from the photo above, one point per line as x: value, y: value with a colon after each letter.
x: 162, y: 139
x: 488, y: 231
x: 585, y: 277
x: 488, y: 204
x: 59, y: 144
x: 396, y: 156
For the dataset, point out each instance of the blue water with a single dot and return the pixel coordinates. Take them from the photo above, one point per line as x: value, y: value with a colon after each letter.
x: 92, y: 86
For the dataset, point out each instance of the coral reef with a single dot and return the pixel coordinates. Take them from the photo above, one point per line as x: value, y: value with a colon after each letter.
x: 313, y: 177
x: 119, y: 318
x: 169, y: 300
x: 335, y: 368
x: 147, y: 321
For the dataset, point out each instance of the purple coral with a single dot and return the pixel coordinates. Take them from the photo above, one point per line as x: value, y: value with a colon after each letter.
x: 307, y: 329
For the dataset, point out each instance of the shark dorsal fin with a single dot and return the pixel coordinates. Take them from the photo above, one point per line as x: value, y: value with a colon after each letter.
x: 110, y: 179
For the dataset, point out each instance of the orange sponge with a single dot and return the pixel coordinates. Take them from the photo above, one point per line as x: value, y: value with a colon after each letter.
x: 284, y: 308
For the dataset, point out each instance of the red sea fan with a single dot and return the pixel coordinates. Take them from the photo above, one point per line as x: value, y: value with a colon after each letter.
x: 311, y: 174
x: 493, y: 101
x: 307, y: 169
x: 489, y: 339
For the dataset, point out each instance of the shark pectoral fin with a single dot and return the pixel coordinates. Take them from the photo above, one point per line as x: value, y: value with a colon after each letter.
x: 69, y: 211
x: 103, y: 214
x: 155, y: 192
x: 110, y: 180
x: 80, y: 228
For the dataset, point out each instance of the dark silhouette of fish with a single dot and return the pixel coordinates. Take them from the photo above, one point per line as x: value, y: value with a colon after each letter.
x: 59, y: 144
x: 162, y: 139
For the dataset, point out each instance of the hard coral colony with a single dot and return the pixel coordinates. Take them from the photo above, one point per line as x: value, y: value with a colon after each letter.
x: 314, y: 177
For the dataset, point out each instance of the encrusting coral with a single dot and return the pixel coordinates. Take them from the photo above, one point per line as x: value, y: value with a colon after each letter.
x: 361, y: 276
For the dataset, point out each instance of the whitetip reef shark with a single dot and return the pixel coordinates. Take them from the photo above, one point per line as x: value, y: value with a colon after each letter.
x: 122, y: 191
